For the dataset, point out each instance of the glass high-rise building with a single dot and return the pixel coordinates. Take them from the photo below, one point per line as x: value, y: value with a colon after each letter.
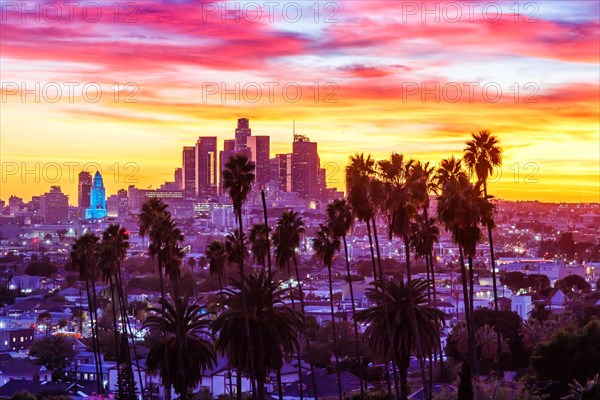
x: 206, y: 166
x: 260, y: 150
x: 188, y: 171
x: 83, y: 191
x: 241, y: 134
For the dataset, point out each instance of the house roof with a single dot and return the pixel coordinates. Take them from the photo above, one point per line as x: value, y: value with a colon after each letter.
x: 33, y: 387
x: 19, y: 367
x: 327, y: 384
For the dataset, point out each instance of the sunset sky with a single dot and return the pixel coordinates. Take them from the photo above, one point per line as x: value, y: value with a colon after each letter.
x: 368, y: 59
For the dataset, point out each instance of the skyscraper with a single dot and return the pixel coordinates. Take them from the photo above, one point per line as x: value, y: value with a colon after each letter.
x: 229, y: 151
x: 260, y: 149
x: 281, y: 171
x: 83, y: 193
x: 178, y: 178
x: 54, y: 206
x: 97, y: 209
x: 305, y: 168
x: 188, y: 171
x: 241, y: 133
x: 206, y: 166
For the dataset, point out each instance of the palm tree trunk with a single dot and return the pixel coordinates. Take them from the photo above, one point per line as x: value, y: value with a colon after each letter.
x: 430, y: 256
x: 238, y: 384
x: 468, y: 319
x: 95, y: 330
x: 403, y: 363
x: 471, y: 285
x: 260, y: 388
x: 91, y: 312
x: 264, y: 203
x: 471, y: 312
x: 128, y: 329
x: 420, y: 351
x: 335, y: 341
x: 407, y: 255
x: 279, y: 388
x: 387, y: 322
x: 495, y: 288
x: 372, y: 251
x: 298, y: 355
x: 116, y: 334
x: 357, y: 343
x: 160, y: 278
x: 308, y: 351
x: 245, y: 306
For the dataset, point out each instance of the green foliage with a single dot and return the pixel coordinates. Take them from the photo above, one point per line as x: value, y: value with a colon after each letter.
x: 40, y: 269
x: 24, y: 395
x: 569, y: 354
x: 572, y: 282
x: 54, y: 352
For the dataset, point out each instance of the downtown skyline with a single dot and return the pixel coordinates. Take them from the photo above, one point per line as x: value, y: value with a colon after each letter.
x: 370, y: 105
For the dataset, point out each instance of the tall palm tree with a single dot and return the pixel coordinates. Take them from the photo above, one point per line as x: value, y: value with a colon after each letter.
x: 171, y: 252
x: 286, y: 240
x: 184, y: 351
x: 396, y: 301
x: 259, y: 301
x: 153, y: 216
x: 339, y: 221
x: 83, y: 257
x: 359, y: 172
x: 482, y: 154
x: 111, y: 252
x: 259, y: 243
x: 326, y: 245
x: 459, y: 209
x: 238, y: 177
x: 217, y: 257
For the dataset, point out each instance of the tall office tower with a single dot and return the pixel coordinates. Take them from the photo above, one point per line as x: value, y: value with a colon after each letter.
x: 54, y: 206
x: 83, y: 193
x: 188, y: 171
x: 241, y: 134
x: 305, y: 168
x: 281, y: 167
x: 178, y: 178
x: 260, y: 150
x: 97, y: 209
x: 206, y: 166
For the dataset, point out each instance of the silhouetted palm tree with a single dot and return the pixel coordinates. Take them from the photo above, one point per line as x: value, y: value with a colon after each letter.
x: 217, y: 257
x: 259, y: 243
x: 459, y: 209
x: 339, y: 221
x: 482, y: 154
x: 154, y: 215
x: 184, y: 351
x: 396, y: 302
x: 84, y: 258
x: 326, y: 245
x: 111, y: 252
x: 259, y: 301
x: 286, y: 240
x: 238, y: 177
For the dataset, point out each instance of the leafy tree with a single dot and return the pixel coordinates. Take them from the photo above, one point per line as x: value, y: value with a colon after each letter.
x: 24, y: 395
x: 40, y: 269
x: 569, y: 354
x: 54, y: 352
x: 572, y: 282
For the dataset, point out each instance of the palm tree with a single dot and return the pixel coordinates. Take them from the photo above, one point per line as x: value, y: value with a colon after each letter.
x: 396, y: 302
x: 359, y: 173
x: 260, y: 243
x: 171, y: 253
x: 111, y: 252
x: 238, y: 177
x: 154, y: 215
x: 217, y: 257
x: 184, y: 351
x: 255, y: 299
x: 339, y: 222
x: 325, y: 245
x: 286, y: 239
x: 482, y: 154
x: 459, y: 209
x: 83, y: 257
